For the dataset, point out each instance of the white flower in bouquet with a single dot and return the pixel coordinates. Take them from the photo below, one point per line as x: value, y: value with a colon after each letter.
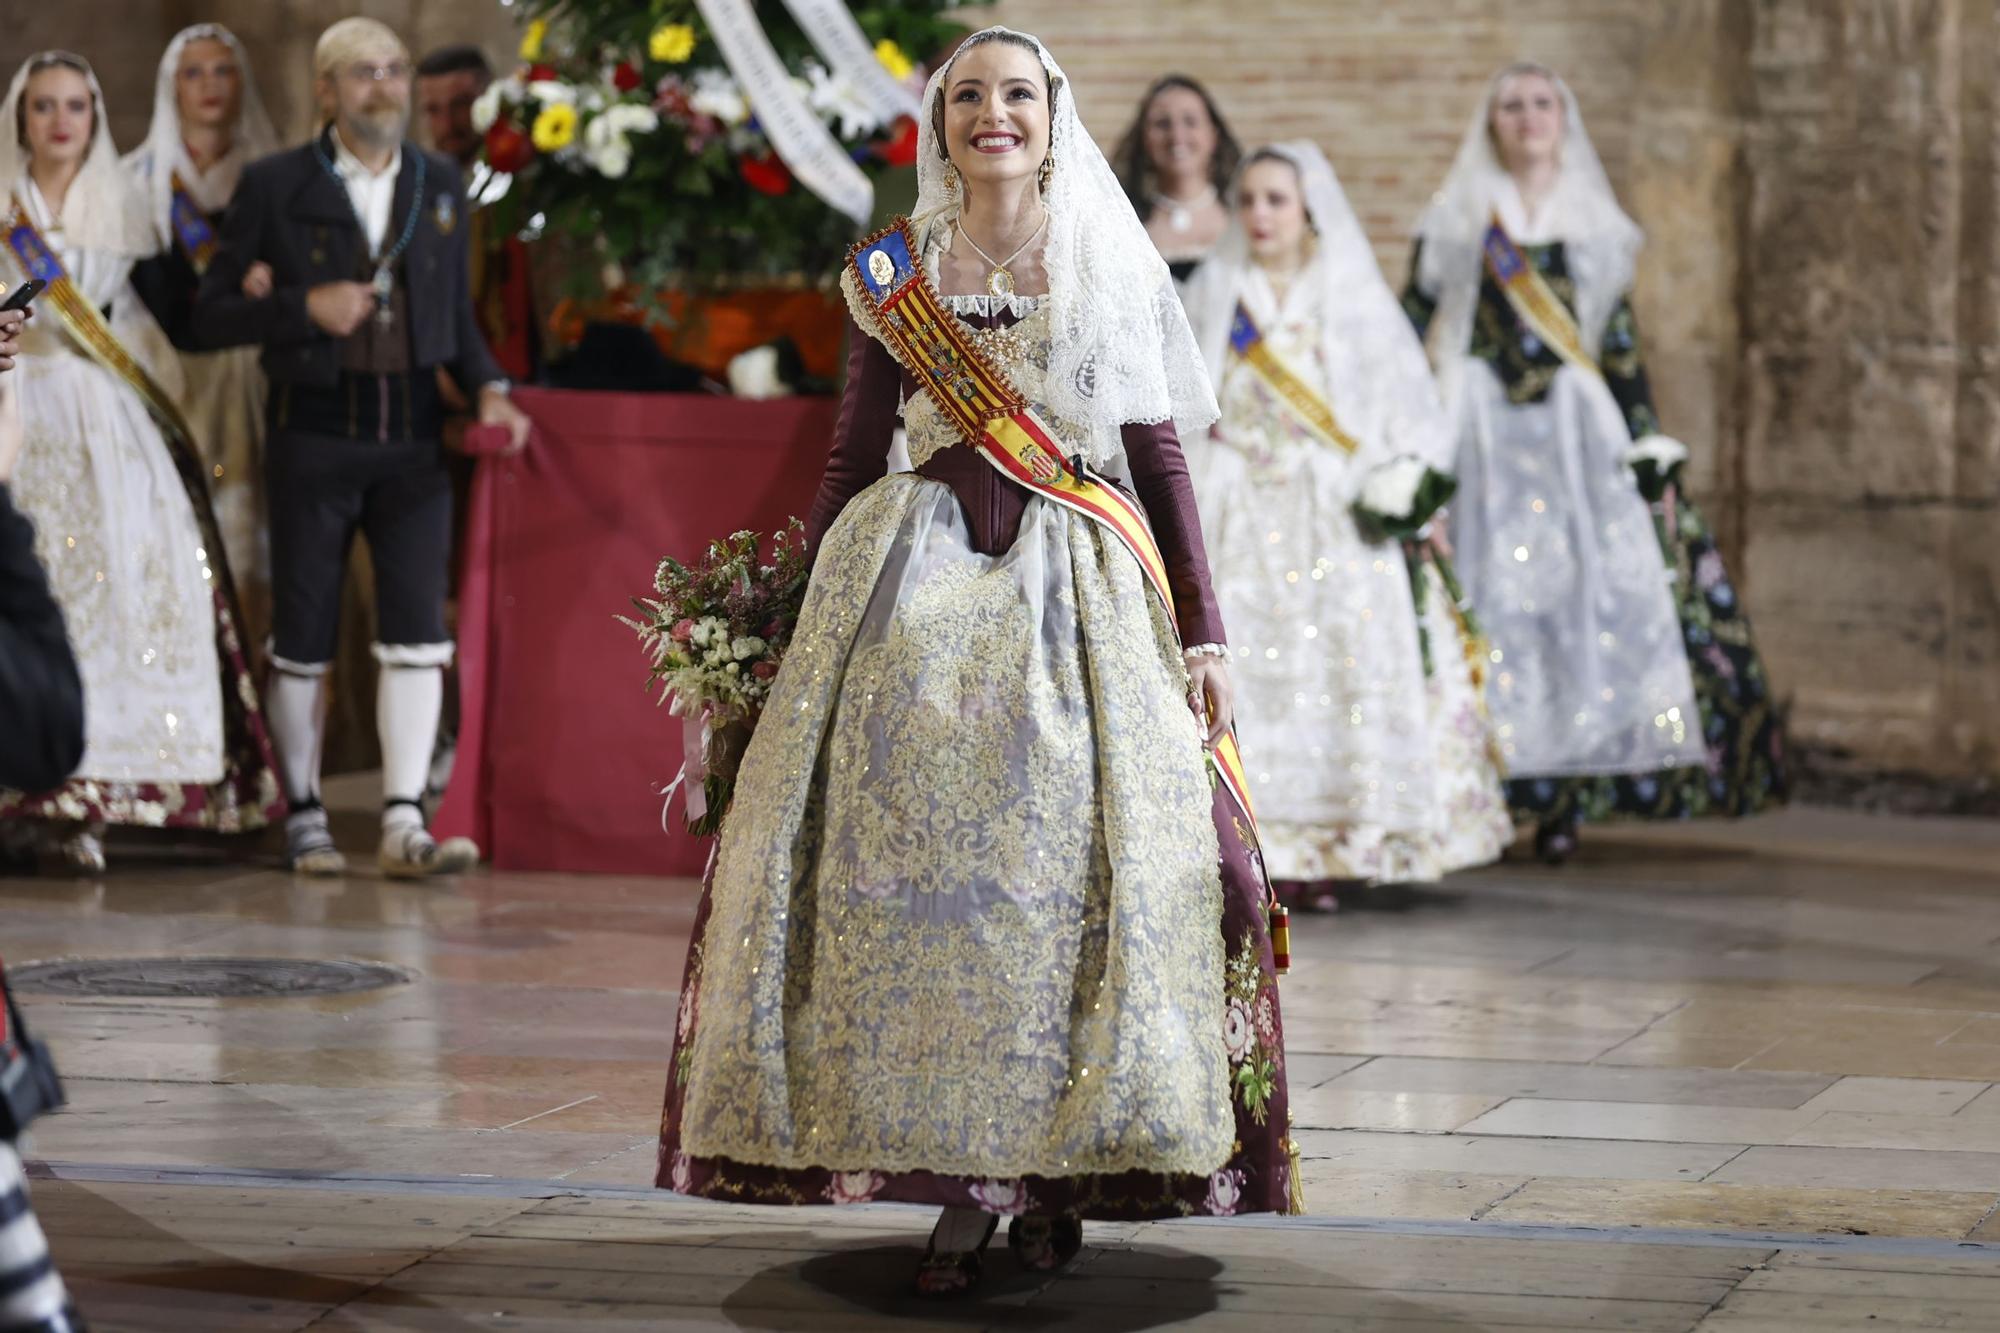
x: 754, y: 374
x: 840, y: 101
x: 486, y: 107
x: 1390, y: 489
x: 747, y: 647
x: 1662, y: 451
x: 548, y: 91
x: 715, y: 94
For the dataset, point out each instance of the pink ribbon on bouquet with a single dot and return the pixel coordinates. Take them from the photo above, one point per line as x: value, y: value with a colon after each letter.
x: 697, y: 729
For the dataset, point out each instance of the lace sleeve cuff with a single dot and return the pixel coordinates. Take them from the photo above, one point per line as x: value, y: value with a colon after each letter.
x: 1206, y: 650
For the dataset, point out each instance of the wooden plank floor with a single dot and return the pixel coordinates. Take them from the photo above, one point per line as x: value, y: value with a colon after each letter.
x: 1740, y: 1078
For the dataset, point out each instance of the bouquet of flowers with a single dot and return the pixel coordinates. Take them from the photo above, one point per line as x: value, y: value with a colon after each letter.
x: 1399, y: 501
x: 1656, y: 461
x: 715, y: 634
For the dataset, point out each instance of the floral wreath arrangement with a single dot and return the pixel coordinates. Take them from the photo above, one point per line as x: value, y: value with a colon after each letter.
x: 625, y: 130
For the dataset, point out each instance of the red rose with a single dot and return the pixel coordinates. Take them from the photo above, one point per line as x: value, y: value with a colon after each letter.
x: 764, y: 670
x: 625, y: 78
x: 539, y: 73
x: 508, y: 149
x: 766, y: 173
x: 900, y: 149
x: 772, y: 629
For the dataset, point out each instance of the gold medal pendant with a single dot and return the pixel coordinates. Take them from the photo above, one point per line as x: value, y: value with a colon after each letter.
x: 1000, y: 282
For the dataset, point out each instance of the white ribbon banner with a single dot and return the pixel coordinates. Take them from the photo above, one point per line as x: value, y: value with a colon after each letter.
x: 795, y: 130
x: 846, y: 50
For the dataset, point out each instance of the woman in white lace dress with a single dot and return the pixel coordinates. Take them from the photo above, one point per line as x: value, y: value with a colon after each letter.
x: 1361, y: 714
x: 174, y: 731
x: 981, y: 932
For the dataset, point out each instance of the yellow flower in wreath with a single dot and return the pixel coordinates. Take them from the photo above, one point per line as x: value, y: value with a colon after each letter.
x: 531, y: 40
x: 672, y: 43
x: 893, y: 59
x: 555, y: 127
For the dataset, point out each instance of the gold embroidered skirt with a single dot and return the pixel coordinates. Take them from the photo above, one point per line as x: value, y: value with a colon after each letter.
x: 966, y: 913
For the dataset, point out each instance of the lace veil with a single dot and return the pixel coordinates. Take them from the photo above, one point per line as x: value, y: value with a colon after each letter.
x: 154, y: 162
x: 1600, y: 242
x: 1121, y: 349
x: 1382, y: 391
x: 102, y: 211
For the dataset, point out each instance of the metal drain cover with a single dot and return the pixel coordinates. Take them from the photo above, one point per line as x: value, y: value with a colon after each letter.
x: 218, y: 978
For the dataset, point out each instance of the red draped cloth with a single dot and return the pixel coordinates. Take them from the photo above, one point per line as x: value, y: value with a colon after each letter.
x: 562, y: 752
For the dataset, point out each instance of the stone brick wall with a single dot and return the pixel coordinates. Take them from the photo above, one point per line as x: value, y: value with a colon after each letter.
x: 1820, y: 293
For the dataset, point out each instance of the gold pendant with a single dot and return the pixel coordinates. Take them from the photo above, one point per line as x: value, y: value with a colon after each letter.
x: 1000, y: 282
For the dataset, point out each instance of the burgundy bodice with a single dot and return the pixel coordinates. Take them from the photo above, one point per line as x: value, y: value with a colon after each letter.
x: 993, y: 504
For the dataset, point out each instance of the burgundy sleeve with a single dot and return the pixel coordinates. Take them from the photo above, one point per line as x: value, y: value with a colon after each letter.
x: 862, y: 435
x: 1160, y: 479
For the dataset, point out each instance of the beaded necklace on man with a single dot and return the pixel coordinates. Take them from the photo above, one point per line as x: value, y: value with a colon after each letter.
x: 384, y: 261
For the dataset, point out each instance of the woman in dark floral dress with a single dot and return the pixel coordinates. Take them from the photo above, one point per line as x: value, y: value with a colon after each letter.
x: 1626, y: 682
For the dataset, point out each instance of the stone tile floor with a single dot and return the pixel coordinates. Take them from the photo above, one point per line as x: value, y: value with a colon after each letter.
x: 1741, y: 1077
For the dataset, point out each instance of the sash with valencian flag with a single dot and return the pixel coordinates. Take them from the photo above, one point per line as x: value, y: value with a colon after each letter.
x: 1533, y: 299
x: 191, y: 227
x: 1005, y: 429
x: 1312, y: 411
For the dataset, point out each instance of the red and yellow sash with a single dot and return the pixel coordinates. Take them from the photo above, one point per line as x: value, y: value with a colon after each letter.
x: 1004, y: 427
x: 85, y: 325
x: 1311, y: 410
x: 1533, y: 299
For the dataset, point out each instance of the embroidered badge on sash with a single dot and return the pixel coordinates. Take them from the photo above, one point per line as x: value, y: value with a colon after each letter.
x: 446, y: 215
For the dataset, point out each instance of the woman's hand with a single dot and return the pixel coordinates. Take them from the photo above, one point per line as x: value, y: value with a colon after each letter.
x: 1211, y: 698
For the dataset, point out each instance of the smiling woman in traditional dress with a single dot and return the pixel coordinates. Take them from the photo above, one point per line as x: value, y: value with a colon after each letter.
x: 1175, y: 161
x: 174, y: 733
x: 1628, y: 684
x: 208, y: 124
x: 982, y: 932
x: 1364, y: 731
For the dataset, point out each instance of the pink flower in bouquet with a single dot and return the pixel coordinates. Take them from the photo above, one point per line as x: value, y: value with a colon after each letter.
x: 683, y: 630
x: 772, y: 628
x: 764, y: 670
